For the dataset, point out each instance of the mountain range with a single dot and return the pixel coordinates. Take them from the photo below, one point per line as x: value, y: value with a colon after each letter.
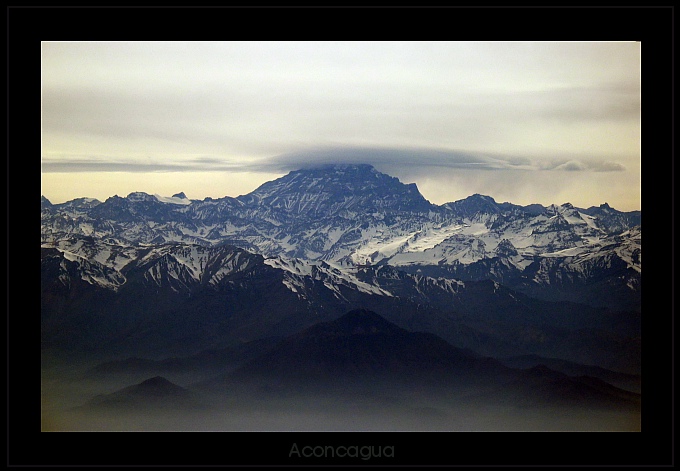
x: 156, y: 284
x: 354, y: 215
x: 357, y: 372
x: 317, y: 242
x: 362, y: 348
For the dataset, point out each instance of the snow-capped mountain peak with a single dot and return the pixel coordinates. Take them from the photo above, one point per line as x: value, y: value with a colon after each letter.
x: 329, y: 190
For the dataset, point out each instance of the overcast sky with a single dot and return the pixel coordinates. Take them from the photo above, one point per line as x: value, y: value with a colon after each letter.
x: 525, y: 122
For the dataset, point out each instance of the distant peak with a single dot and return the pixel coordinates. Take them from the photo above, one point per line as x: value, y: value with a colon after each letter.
x: 363, y: 315
x: 475, y: 204
x: 159, y: 384
x: 337, y: 188
x: 477, y: 196
x: 363, y: 321
x: 180, y: 195
x: 140, y: 196
x: 357, y: 322
x: 156, y: 380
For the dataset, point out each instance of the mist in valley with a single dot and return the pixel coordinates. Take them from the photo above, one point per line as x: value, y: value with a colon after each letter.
x: 72, y: 401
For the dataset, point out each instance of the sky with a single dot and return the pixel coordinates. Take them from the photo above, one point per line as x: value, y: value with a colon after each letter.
x: 524, y: 122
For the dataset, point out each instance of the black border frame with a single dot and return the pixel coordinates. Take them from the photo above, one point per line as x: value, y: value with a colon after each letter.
x: 653, y: 26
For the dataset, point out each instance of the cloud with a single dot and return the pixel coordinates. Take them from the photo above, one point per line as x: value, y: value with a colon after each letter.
x: 424, y: 160
x: 417, y: 161
x: 104, y: 164
x: 571, y: 166
x: 381, y: 157
x: 376, y: 156
x: 593, y: 165
x: 613, y: 102
x: 608, y: 167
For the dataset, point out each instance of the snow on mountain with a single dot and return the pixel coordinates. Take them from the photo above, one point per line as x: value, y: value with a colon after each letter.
x: 611, y: 220
x: 71, y: 267
x: 335, y: 213
x: 321, y: 222
x: 630, y: 248
x: 336, y: 189
x: 78, y: 205
x: 625, y: 246
x: 106, y: 252
x: 139, y: 196
x: 331, y: 275
x: 183, y: 266
x: 179, y: 198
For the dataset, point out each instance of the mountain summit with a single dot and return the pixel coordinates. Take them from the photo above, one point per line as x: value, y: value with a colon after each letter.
x: 357, y: 322
x: 358, y: 343
x: 156, y: 392
x: 333, y: 189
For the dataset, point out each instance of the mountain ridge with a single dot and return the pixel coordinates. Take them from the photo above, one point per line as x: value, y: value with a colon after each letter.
x: 334, y: 214
x: 362, y: 351
x: 328, y: 239
x: 353, y: 215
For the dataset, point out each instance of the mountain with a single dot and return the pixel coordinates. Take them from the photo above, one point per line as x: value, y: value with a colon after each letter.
x: 362, y: 352
x: 624, y: 381
x: 204, y: 363
x: 608, y: 274
x: 359, y: 343
x: 146, y: 273
x: 349, y: 215
x: 356, y: 372
x: 45, y: 203
x: 475, y: 206
x: 542, y: 386
x: 185, y: 298
x: 605, y: 273
x: 611, y: 220
x: 341, y: 282
x: 334, y: 190
x: 152, y: 393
